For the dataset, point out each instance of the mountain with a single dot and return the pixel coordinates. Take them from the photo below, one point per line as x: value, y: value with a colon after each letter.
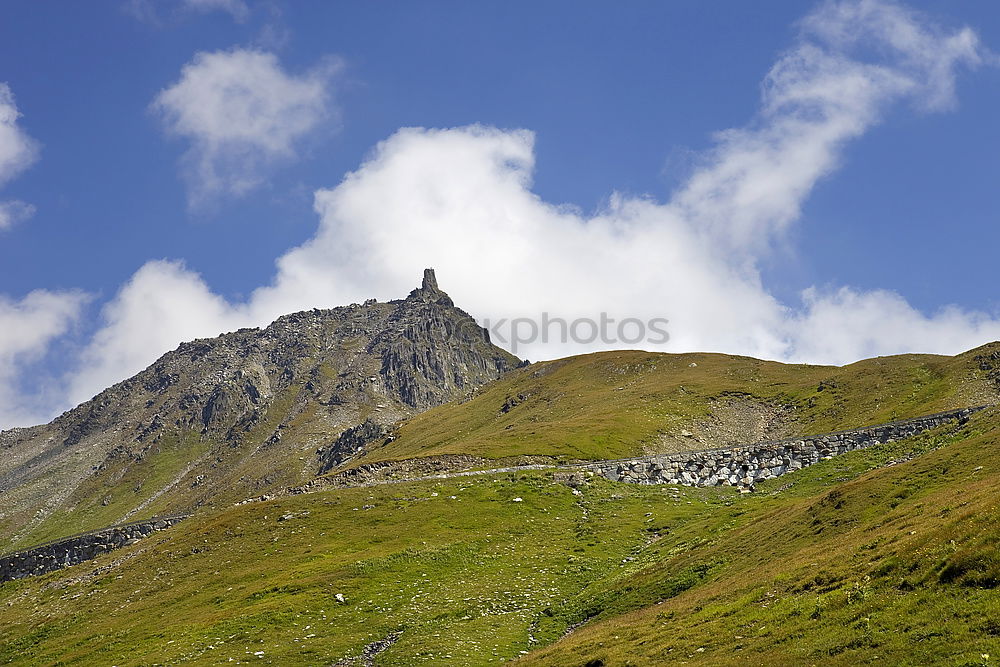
x: 221, y: 419
x: 888, y: 552
x: 883, y: 554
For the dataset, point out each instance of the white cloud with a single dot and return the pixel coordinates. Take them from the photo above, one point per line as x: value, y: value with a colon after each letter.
x: 460, y: 200
x: 14, y: 211
x: 844, y: 325
x: 147, y: 10
x: 819, y: 95
x: 243, y: 115
x: 925, y: 53
x: 18, y: 151
x: 238, y: 8
x: 28, y: 328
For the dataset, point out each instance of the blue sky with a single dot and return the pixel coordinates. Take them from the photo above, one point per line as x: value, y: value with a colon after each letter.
x: 150, y: 201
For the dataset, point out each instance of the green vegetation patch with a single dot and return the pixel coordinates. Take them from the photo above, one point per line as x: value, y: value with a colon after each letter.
x: 849, y: 565
x: 462, y: 569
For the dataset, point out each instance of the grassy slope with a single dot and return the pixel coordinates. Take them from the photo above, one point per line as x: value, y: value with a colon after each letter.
x: 463, y: 576
x: 613, y: 404
x: 164, y: 480
x: 87, y: 509
x: 898, y: 566
x: 850, y: 562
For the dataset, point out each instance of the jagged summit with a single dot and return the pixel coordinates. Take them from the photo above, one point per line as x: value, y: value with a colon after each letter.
x: 430, y: 282
x: 224, y: 418
x: 429, y: 291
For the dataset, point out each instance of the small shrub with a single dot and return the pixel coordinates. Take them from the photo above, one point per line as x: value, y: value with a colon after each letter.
x: 972, y: 567
x: 887, y: 566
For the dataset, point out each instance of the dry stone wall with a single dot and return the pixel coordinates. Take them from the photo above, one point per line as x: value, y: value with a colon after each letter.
x: 745, y: 466
x: 73, y: 550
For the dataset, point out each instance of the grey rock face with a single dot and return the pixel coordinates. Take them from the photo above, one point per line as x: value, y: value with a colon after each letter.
x: 430, y: 282
x: 353, y: 440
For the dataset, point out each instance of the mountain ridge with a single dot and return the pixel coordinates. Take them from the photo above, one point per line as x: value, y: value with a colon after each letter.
x: 243, y: 411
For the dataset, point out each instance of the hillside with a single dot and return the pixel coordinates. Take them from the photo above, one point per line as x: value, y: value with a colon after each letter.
x: 835, y: 564
x: 619, y: 404
x: 218, y: 420
x: 887, y: 553
x: 899, y: 566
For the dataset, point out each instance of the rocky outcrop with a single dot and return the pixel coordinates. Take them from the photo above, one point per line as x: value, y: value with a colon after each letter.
x: 433, y: 352
x: 745, y: 466
x: 77, y: 549
x: 354, y: 440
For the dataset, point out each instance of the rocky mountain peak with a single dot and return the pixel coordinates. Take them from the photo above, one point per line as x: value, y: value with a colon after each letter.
x: 430, y: 292
x: 430, y: 282
x: 249, y: 410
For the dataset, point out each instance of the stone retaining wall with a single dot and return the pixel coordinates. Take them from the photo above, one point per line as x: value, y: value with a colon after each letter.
x: 744, y: 466
x: 77, y: 549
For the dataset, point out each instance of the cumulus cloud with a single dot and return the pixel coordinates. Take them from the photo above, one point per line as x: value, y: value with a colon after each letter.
x: 27, y: 329
x: 18, y: 151
x: 844, y: 324
x: 460, y: 200
x: 242, y: 115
